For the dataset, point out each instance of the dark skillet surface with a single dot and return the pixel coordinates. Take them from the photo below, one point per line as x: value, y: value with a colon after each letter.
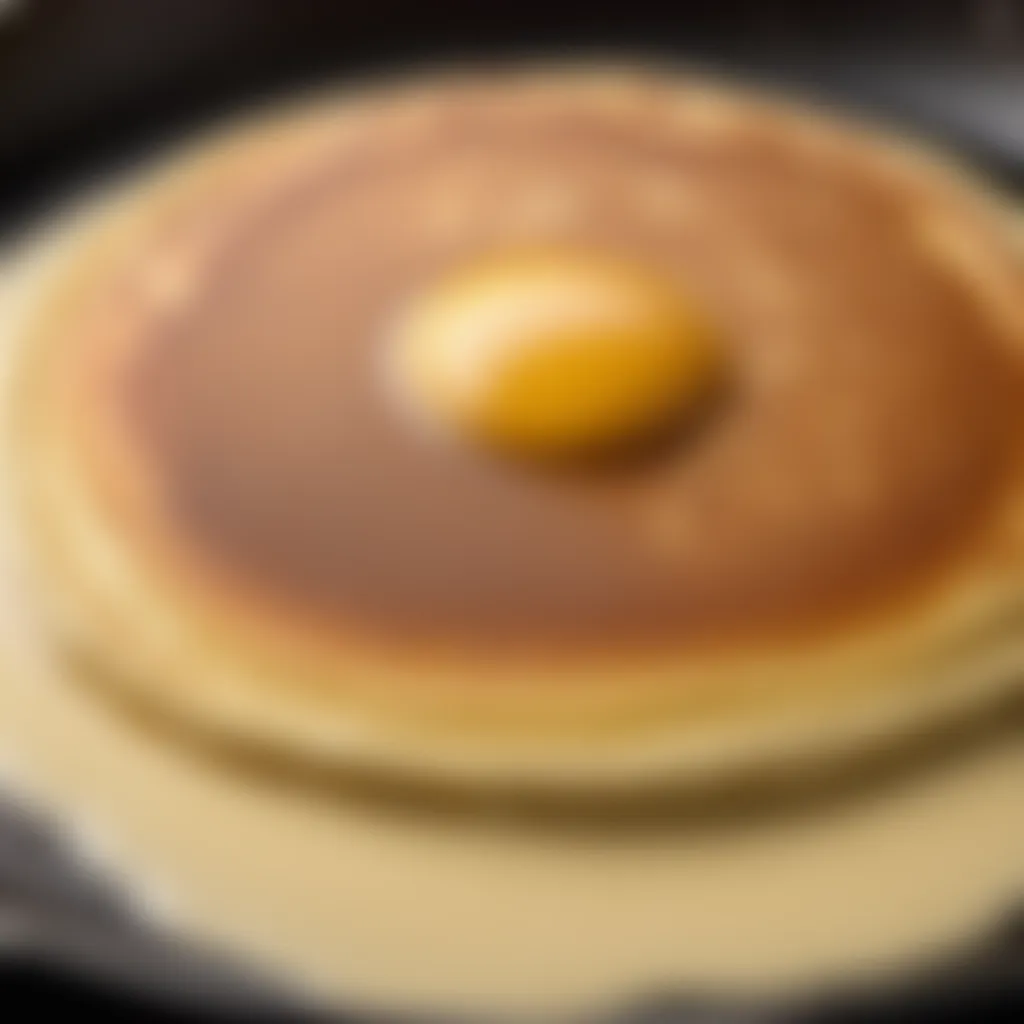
x: 85, y: 84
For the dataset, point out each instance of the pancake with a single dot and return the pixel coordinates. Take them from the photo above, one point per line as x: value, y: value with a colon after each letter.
x: 231, y: 513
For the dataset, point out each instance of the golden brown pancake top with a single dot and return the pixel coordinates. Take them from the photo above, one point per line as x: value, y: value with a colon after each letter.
x: 870, y: 419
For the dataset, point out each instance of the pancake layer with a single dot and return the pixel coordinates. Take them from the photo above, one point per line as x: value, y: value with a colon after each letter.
x: 227, y: 474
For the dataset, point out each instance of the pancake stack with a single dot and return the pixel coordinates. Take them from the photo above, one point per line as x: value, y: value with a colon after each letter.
x: 266, y: 455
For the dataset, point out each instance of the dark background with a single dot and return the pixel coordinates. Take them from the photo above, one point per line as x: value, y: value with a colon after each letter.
x: 86, y: 83
x: 81, y: 80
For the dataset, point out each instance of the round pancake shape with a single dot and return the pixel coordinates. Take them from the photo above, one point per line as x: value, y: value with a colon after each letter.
x: 238, y: 520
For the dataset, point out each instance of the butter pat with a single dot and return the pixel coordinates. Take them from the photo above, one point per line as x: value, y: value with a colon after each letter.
x: 554, y: 353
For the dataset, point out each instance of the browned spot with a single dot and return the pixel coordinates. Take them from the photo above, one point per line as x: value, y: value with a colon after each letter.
x: 873, y: 420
